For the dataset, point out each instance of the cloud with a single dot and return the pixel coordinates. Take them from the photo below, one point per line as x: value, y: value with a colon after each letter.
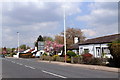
x: 103, y: 18
x: 89, y: 32
x: 32, y: 19
x: 29, y: 33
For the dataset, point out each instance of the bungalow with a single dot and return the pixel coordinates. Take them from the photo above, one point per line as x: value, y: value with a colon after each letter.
x: 96, y: 46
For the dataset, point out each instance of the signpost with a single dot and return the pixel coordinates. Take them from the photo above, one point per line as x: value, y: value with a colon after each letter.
x: 40, y: 45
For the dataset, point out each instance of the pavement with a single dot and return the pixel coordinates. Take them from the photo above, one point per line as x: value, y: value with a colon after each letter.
x: 95, y: 67
x: 30, y: 68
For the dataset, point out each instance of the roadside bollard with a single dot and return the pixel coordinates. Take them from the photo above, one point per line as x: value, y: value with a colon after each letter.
x: 72, y: 60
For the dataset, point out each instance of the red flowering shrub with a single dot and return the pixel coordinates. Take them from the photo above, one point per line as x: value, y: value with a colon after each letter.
x: 87, y: 57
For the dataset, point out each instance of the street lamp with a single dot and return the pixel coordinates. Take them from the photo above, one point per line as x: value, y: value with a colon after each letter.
x: 64, y: 32
x: 18, y: 43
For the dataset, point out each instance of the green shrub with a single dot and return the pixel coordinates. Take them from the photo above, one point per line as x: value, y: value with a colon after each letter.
x: 45, y: 54
x: 71, y: 54
x: 11, y: 54
x: 68, y: 59
x: 54, y: 57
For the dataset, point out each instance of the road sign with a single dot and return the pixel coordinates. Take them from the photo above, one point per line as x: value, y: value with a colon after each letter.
x: 41, y: 45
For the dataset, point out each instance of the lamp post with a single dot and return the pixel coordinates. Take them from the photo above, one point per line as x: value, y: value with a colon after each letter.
x: 64, y: 32
x: 18, y: 43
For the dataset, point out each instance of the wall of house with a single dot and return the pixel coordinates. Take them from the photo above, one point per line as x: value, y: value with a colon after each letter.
x: 95, y: 49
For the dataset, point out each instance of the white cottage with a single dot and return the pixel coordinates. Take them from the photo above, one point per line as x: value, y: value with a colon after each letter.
x: 98, y: 46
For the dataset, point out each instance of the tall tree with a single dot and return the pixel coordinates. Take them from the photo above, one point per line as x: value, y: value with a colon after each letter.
x: 59, y: 39
x: 71, y: 33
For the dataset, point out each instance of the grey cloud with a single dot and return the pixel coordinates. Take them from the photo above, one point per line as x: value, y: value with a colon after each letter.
x: 103, y: 18
x: 33, y: 19
x: 30, y: 14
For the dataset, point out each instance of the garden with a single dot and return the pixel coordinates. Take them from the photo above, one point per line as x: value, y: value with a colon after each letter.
x: 73, y: 58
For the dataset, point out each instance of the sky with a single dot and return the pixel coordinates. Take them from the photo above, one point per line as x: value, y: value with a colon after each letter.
x: 32, y: 19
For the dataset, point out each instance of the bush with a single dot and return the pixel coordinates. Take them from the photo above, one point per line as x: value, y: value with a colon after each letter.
x: 68, y: 59
x: 96, y: 61
x: 71, y: 54
x: 115, y: 52
x: 87, y: 57
x: 61, y: 59
x: 11, y: 54
x: 45, y: 58
x: 77, y: 59
x: 54, y: 57
x: 45, y: 54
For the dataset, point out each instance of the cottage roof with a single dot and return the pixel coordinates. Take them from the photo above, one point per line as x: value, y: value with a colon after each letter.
x: 103, y: 39
x: 74, y: 46
x: 98, y: 40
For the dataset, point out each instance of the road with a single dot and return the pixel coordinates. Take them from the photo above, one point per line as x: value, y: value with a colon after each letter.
x: 30, y: 68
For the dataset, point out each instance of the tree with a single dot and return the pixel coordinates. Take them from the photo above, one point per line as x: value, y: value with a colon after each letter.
x: 13, y: 49
x: 71, y: 33
x: 52, y: 46
x: 4, y: 50
x: 59, y: 39
x: 0, y: 50
x: 47, y: 38
x: 115, y: 51
x: 40, y: 38
x: 24, y: 47
x: 9, y: 50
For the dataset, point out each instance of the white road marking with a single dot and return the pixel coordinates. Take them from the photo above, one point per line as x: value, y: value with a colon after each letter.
x: 26, y: 66
x: 53, y: 74
x: 29, y: 67
x: 13, y: 62
x: 19, y: 63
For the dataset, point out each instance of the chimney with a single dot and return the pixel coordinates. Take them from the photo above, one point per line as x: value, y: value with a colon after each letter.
x: 76, y: 40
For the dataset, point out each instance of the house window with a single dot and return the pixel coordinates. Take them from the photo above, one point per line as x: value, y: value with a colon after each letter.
x: 105, y: 50
x: 86, y: 50
x: 98, y: 51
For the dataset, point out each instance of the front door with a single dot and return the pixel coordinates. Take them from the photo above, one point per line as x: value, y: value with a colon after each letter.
x: 98, y: 52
